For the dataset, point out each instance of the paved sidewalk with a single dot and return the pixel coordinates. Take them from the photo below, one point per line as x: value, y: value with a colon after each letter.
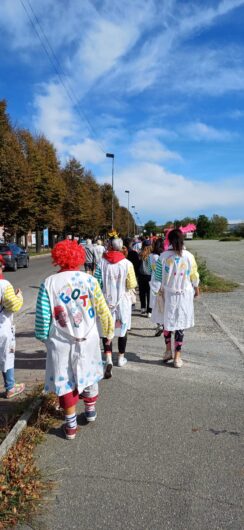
x: 164, y: 452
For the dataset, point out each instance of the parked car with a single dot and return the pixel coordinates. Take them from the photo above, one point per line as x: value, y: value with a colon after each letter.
x: 14, y: 256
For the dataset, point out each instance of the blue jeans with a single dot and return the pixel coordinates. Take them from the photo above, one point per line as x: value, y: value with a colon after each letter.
x: 9, y: 380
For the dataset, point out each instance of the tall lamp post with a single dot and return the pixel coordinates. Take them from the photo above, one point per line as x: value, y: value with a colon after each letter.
x: 128, y: 215
x: 111, y: 155
x: 134, y: 220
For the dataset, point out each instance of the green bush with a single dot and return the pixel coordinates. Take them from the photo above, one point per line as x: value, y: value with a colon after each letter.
x: 210, y: 282
x: 230, y: 238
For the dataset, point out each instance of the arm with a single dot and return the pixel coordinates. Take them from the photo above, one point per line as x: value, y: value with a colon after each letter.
x: 12, y: 302
x: 43, y: 314
x: 98, y: 275
x: 159, y: 271
x: 194, y: 276
x: 104, y: 314
x: 131, y: 282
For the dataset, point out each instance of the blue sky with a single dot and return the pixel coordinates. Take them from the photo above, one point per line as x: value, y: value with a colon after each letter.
x: 159, y: 83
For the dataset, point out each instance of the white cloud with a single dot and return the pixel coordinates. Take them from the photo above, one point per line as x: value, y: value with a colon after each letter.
x: 201, y: 131
x: 54, y: 115
x: 170, y: 195
x: 147, y: 146
x: 87, y: 152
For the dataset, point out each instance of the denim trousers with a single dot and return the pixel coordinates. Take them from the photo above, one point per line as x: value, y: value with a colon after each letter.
x: 9, y: 380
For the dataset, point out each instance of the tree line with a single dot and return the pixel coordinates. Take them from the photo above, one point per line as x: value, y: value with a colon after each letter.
x: 36, y: 192
x: 206, y: 228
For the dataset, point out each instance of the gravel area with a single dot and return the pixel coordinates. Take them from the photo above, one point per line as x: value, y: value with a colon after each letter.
x: 225, y: 258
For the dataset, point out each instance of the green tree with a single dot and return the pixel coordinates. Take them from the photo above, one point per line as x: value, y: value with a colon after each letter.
x: 150, y: 227
x: 15, y: 193
x: 203, y: 226
x: 75, y: 204
x: 218, y: 225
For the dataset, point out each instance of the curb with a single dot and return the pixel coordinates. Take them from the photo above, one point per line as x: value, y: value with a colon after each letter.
x: 224, y: 328
x: 41, y: 255
x: 18, y: 427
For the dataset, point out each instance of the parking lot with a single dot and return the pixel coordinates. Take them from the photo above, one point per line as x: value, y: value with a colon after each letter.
x: 225, y: 258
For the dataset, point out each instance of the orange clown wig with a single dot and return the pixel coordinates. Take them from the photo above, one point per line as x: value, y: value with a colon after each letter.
x: 68, y: 255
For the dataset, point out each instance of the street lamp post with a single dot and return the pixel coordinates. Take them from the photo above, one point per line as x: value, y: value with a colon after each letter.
x: 111, y: 155
x: 134, y: 220
x: 128, y: 214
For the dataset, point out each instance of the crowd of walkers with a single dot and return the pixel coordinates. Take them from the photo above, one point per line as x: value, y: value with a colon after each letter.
x: 75, y: 309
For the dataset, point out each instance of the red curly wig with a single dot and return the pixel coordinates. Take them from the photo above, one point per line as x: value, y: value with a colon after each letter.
x: 68, y: 255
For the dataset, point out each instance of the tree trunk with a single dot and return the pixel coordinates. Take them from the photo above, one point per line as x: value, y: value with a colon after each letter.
x: 38, y: 240
x: 51, y: 241
x: 19, y: 238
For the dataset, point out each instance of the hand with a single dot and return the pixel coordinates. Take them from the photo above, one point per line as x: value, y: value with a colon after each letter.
x: 197, y: 292
x: 18, y: 292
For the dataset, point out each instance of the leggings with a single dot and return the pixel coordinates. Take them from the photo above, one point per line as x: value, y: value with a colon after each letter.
x: 144, y: 291
x: 121, y: 345
x: 179, y: 336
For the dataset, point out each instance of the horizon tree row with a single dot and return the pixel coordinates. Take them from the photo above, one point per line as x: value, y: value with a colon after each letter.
x: 36, y: 192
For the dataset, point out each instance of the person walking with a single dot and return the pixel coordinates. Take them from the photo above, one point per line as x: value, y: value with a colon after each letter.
x: 144, y: 277
x: 10, y: 302
x: 157, y: 249
x: 177, y: 274
x: 91, y: 259
x: 116, y: 276
x: 68, y: 304
x: 99, y: 250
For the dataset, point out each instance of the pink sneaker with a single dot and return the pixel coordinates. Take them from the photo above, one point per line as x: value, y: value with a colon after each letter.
x: 17, y: 389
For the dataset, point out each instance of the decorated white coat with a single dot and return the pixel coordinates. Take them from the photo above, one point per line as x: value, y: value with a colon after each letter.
x: 116, y: 280
x: 10, y: 303
x: 177, y: 276
x: 67, y: 307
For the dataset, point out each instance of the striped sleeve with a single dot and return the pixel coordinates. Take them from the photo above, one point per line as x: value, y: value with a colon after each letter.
x: 194, y: 276
x: 149, y: 265
x: 159, y: 271
x: 43, y: 314
x: 98, y: 276
x: 12, y: 302
x: 106, y: 319
x: 131, y: 282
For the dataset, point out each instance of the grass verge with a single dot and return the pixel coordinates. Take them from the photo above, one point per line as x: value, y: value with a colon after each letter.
x: 21, y: 484
x: 210, y: 282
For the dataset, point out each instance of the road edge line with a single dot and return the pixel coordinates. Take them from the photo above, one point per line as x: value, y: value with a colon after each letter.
x: 227, y: 332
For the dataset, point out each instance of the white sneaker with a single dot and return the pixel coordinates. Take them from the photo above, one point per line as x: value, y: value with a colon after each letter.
x: 108, y: 365
x: 178, y: 363
x: 149, y: 315
x: 167, y: 356
x: 122, y: 361
x: 143, y: 311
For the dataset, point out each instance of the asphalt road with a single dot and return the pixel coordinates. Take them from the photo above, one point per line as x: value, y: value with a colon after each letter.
x: 28, y: 280
x: 225, y: 258
x: 165, y: 450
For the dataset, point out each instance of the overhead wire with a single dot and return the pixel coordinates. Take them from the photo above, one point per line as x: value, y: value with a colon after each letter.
x: 46, y: 45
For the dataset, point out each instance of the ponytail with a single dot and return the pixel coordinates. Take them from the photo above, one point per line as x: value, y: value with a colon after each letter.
x: 176, y: 239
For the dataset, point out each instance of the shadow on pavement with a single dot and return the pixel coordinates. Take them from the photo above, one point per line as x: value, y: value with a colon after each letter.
x: 20, y: 334
x: 30, y: 361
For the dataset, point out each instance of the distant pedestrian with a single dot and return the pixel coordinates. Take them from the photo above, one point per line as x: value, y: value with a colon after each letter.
x: 132, y: 255
x: 10, y: 302
x: 91, y: 259
x: 157, y: 315
x: 67, y: 306
x: 99, y: 250
x: 144, y: 277
x: 117, y: 277
x: 176, y: 272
